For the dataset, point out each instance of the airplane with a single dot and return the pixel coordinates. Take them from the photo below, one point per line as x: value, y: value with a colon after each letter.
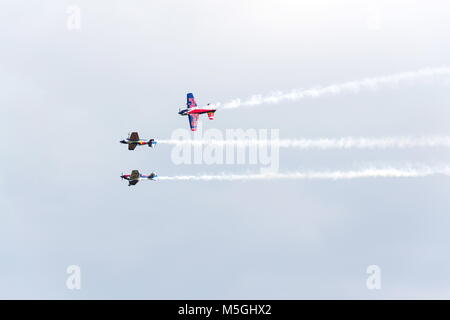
x: 133, y: 140
x: 135, y: 177
x: 194, y: 112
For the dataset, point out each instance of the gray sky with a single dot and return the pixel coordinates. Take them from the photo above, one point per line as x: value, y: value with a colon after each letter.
x: 68, y: 97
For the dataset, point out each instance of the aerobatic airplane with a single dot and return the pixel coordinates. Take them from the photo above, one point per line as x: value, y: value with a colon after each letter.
x: 194, y: 112
x: 133, y: 141
x: 135, y: 177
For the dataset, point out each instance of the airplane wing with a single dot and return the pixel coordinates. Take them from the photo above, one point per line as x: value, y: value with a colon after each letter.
x: 133, y: 182
x: 134, y: 175
x: 190, y: 101
x: 193, y: 119
x: 132, y: 146
x: 134, y: 136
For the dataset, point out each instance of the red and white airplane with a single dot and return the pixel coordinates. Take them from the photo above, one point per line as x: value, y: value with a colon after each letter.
x: 193, y: 111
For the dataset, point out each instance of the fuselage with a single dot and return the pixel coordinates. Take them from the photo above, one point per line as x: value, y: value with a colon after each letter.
x: 141, y: 177
x: 195, y: 110
x: 140, y: 142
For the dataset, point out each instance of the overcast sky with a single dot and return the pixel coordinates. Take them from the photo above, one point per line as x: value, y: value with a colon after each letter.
x: 68, y: 96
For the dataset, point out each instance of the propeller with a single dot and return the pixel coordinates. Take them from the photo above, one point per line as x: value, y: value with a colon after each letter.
x: 122, y: 176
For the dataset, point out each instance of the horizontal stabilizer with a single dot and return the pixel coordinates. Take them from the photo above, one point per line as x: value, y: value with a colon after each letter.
x: 211, y: 115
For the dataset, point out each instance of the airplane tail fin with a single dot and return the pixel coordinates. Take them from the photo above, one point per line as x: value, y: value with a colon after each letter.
x: 151, y: 143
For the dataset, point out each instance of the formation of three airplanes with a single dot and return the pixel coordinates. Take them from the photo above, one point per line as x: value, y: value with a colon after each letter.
x: 191, y: 110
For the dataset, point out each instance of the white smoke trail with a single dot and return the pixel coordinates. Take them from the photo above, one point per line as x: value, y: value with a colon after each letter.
x: 407, y: 172
x: 328, y: 143
x: 345, y: 87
